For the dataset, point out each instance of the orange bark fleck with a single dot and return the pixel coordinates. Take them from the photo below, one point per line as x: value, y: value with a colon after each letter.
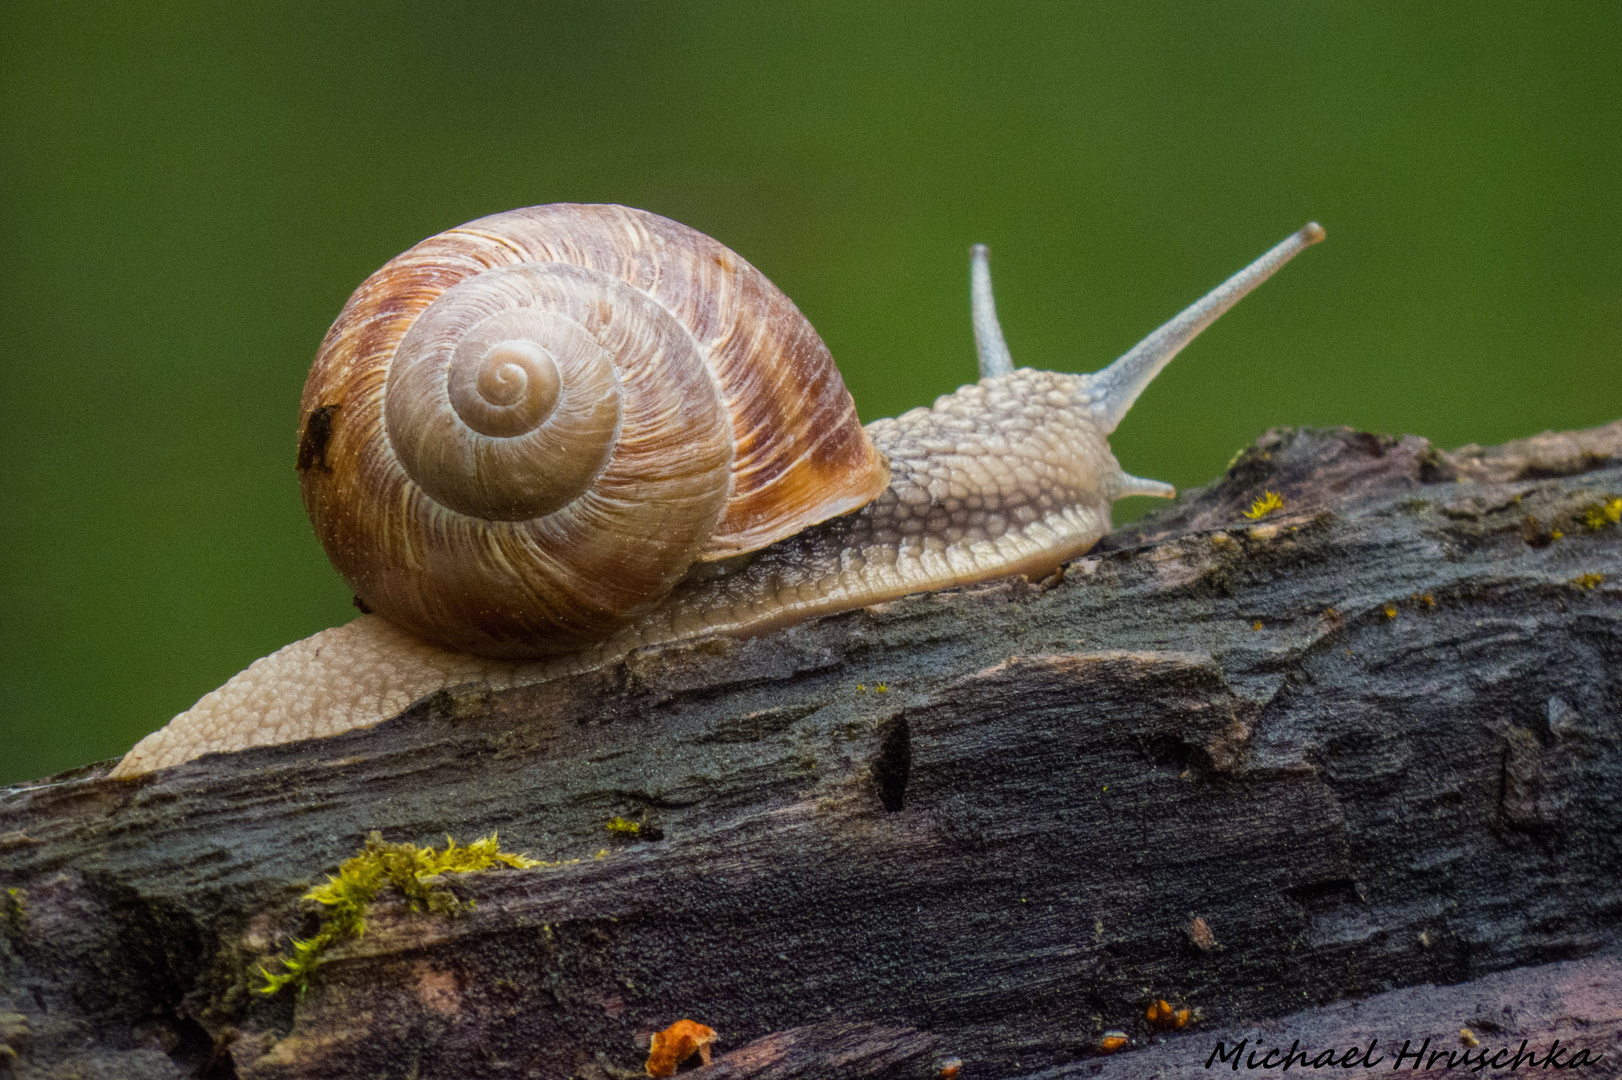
x: 675, y: 1044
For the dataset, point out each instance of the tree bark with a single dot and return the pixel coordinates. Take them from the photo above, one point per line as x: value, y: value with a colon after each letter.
x: 1267, y: 770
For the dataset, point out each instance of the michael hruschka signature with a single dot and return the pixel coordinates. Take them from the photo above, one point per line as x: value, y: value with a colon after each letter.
x: 1411, y: 1058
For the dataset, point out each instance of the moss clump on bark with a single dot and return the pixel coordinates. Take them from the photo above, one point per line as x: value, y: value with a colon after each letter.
x: 410, y: 870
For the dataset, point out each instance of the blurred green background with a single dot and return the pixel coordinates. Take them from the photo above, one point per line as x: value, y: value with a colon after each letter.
x: 189, y: 193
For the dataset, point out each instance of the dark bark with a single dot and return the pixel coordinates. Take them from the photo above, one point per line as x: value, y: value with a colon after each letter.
x: 1372, y: 741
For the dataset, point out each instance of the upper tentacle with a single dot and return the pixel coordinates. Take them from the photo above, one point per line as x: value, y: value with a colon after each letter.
x: 988, y: 340
x: 1112, y: 391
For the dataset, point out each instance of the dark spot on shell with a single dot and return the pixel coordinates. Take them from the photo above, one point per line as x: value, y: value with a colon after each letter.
x: 312, y: 445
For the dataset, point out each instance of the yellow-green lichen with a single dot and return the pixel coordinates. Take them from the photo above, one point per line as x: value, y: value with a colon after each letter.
x: 408, y: 869
x: 1598, y: 515
x: 623, y: 826
x: 1267, y: 504
x: 1588, y: 581
x: 13, y: 914
x: 13, y: 1036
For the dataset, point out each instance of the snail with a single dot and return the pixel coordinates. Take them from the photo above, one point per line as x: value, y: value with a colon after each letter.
x: 543, y: 439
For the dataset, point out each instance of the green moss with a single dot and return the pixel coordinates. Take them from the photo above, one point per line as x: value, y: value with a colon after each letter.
x: 1269, y: 502
x: 409, y: 870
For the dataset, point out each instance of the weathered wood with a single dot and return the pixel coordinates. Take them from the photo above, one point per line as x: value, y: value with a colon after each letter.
x: 1554, y: 1017
x: 1372, y: 740
x: 1560, y: 1016
x: 856, y: 1051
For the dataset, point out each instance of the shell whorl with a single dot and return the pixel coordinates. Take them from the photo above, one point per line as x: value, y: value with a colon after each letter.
x: 537, y: 422
x: 503, y: 401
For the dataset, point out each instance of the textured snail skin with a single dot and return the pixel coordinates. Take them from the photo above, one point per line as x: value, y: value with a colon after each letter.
x: 1011, y: 475
x: 343, y: 678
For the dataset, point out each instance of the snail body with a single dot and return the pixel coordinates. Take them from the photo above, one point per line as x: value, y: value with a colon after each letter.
x: 652, y: 361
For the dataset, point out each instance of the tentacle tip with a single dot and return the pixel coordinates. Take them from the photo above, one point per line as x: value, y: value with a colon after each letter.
x: 1311, y: 232
x: 1127, y: 484
x: 979, y: 251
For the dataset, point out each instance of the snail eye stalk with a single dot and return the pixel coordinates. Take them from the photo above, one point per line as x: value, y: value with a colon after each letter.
x: 1114, y: 389
x: 988, y: 340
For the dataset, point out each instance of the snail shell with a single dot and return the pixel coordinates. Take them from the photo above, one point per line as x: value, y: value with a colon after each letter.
x: 521, y: 433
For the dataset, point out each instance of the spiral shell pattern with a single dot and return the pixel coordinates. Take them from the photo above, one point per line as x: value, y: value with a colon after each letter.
x: 523, y: 432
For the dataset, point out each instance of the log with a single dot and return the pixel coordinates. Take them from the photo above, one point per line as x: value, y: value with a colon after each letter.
x: 1260, y: 769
